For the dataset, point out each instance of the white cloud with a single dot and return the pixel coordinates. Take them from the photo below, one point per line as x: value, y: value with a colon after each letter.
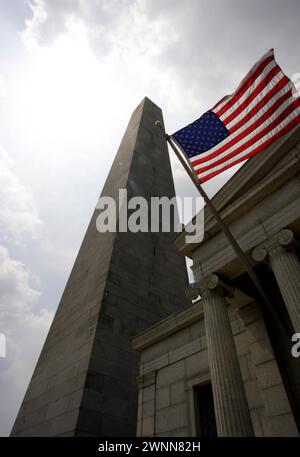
x: 179, y: 51
x: 122, y: 25
x: 18, y: 216
x: 48, y: 20
x: 22, y: 320
x: 123, y: 37
x: 15, y: 288
x: 24, y: 327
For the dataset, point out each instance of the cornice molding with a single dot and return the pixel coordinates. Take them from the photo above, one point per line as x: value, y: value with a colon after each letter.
x: 168, y: 326
x: 270, y: 245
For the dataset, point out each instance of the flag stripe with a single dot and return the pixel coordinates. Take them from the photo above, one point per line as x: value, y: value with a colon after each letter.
x: 253, y: 123
x: 286, y: 126
x: 280, y: 88
x: 264, y: 107
x: 264, y: 86
x: 251, y: 153
x: 200, y: 158
x: 273, y: 121
x: 259, y: 85
x: 221, y: 102
x: 252, y: 82
x: 225, y: 99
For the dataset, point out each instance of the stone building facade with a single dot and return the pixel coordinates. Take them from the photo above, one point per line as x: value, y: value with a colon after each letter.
x: 223, y: 365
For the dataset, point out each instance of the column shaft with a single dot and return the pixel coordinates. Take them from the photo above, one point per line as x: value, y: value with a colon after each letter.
x: 231, y: 407
x: 286, y: 267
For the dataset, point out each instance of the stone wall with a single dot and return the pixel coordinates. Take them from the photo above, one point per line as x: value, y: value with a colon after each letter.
x: 173, y: 363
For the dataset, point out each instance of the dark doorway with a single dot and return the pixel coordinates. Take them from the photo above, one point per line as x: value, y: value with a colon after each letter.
x: 204, y: 411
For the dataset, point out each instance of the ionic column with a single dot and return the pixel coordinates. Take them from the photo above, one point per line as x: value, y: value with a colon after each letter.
x: 231, y: 407
x: 286, y: 267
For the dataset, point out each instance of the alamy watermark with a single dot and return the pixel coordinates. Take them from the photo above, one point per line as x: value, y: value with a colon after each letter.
x: 160, y: 214
x: 296, y: 347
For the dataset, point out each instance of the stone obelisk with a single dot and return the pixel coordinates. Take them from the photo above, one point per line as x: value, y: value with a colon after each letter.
x: 84, y: 383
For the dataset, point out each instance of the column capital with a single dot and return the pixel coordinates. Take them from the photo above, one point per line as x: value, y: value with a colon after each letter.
x: 215, y: 283
x: 273, y: 245
x: 286, y: 268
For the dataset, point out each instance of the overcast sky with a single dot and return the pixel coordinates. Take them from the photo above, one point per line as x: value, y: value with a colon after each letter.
x: 71, y: 73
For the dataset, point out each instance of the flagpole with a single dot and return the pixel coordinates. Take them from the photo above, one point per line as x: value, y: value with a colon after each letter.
x: 236, y: 247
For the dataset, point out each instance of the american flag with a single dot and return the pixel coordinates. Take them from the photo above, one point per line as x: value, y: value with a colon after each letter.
x: 262, y: 109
